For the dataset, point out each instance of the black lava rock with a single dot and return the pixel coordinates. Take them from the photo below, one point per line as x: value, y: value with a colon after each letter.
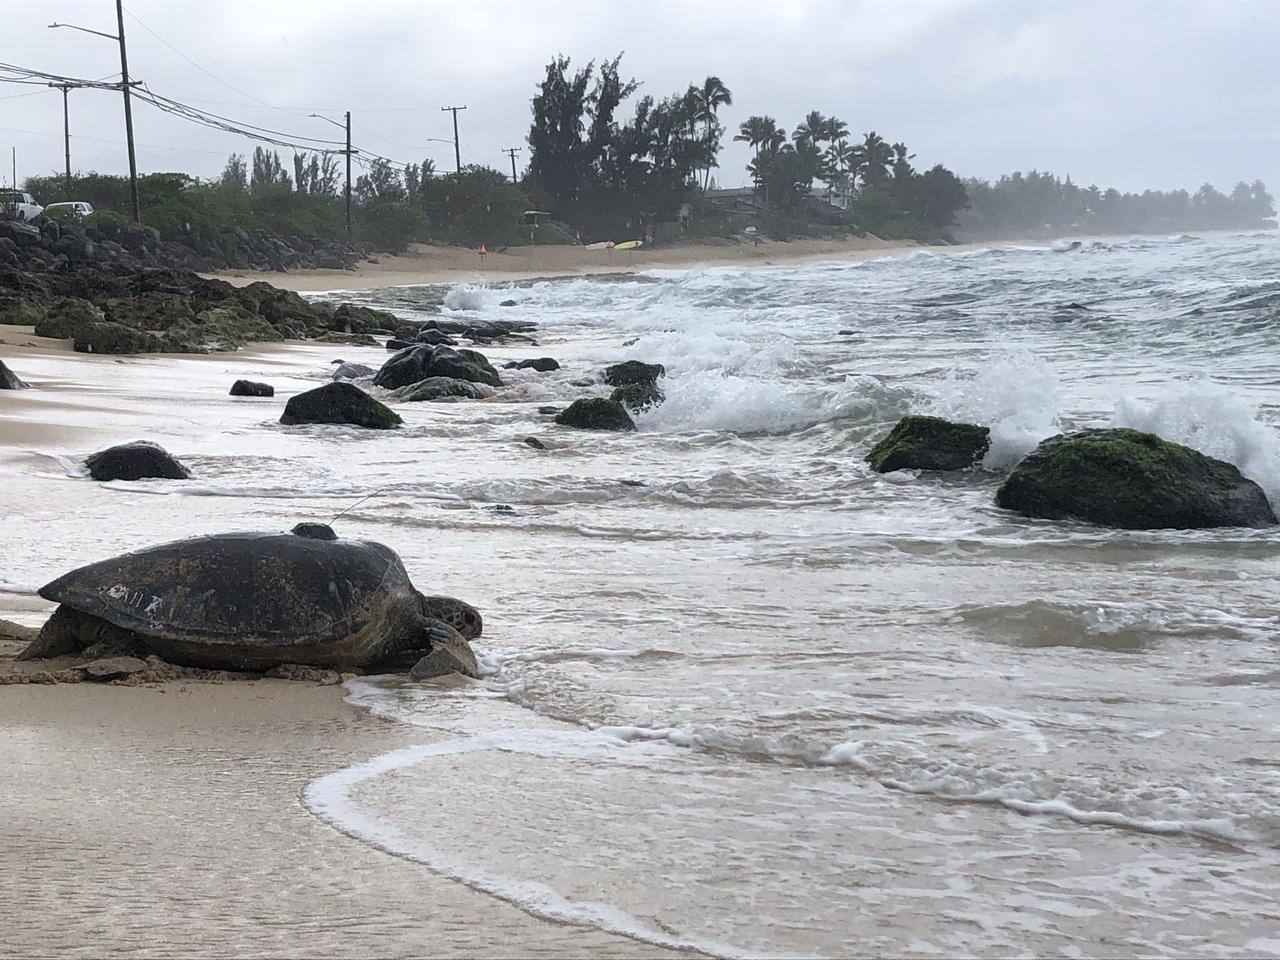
x: 251, y: 388
x: 595, y: 413
x: 140, y: 460
x: 339, y: 402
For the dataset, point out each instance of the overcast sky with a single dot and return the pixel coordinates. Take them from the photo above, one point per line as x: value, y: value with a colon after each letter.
x: 1127, y: 93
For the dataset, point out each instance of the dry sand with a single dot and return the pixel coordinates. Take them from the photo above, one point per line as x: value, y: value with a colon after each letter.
x: 423, y: 264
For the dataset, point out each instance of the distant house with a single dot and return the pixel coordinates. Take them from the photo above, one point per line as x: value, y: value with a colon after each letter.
x: 735, y: 199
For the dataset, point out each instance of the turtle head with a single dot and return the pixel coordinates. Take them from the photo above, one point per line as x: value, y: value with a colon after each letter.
x: 463, y: 617
x: 314, y: 531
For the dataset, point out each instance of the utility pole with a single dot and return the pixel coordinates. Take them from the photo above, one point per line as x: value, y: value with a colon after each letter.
x: 128, y: 114
x: 457, y: 150
x: 124, y: 86
x: 510, y: 152
x: 348, y: 152
x: 66, y: 125
x: 348, y: 172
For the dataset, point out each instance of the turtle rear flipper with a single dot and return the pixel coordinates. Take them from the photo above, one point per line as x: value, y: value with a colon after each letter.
x: 71, y: 632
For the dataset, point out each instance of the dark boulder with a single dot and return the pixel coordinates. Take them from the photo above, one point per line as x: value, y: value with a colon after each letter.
x: 339, y: 402
x: 9, y: 380
x: 633, y: 371
x: 352, y: 371
x: 140, y: 460
x: 596, y: 413
x: 929, y: 443
x: 115, y: 338
x: 439, y: 388
x: 251, y: 388
x: 638, y: 396
x: 541, y: 364
x: 435, y: 338
x: 350, y: 318
x: 1133, y: 480
x: 397, y: 344
x: 66, y: 316
x: 420, y: 362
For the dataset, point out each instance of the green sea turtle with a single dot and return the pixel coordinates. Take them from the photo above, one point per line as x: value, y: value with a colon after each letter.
x: 253, y: 601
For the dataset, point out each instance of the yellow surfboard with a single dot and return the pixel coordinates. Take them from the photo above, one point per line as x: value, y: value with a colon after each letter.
x: 628, y: 245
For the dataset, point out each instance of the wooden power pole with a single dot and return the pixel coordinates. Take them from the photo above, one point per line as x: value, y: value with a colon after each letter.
x: 457, y: 150
x: 511, y: 152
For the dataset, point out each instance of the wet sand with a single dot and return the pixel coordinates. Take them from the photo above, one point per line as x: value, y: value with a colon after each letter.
x: 426, y: 264
x: 164, y: 819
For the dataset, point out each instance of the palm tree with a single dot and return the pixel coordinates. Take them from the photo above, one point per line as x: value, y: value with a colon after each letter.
x: 873, y: 157
x: 711, y: 97
x: 902, y: 169
x: 835, y: 130
x: 812, y: 129
x: 764, y: 136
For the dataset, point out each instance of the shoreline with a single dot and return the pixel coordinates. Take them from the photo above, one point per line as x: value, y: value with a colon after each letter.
x: 425, y: 265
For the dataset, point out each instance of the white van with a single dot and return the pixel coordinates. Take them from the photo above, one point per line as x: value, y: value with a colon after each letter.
x: 81, y: 208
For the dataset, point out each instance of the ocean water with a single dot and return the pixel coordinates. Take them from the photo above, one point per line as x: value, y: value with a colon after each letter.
x: 742, y: 695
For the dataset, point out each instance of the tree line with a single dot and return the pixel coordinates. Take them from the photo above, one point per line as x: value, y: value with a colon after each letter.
x: 608, y: 164
x: 1039, y: 204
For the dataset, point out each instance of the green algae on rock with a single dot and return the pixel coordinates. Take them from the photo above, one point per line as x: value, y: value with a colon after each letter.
x: 1118, y: 477
x: 929, y: 443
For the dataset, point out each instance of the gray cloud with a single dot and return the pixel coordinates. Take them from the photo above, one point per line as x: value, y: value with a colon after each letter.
x: 1132, y: 94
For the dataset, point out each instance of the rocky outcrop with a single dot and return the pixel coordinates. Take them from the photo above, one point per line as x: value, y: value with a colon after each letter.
x: 929, y: 443
x: 339, y: 402
x: 421, y: 362
x: 638, y: 397
x: 140, y: 460
x: 9, y: 380
x: 633, y: 371
x: 441, y: 388
x: 1133, y: 480
x: 596, y: 413
x: 476, y: 329
x: 251, y: 388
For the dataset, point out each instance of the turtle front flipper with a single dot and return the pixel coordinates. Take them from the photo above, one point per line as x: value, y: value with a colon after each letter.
x: 71, y: 632
x: 450, y: 653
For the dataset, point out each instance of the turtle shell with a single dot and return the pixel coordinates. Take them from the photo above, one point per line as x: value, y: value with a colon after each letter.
x: 251, y: 600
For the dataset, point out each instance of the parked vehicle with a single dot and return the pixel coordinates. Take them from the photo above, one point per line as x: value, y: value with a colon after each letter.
x: 15, y: 203
x: 78, y: 208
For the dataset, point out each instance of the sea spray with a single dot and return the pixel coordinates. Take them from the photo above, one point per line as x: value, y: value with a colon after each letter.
x: 1016, y: 396
x: 1211, y: 418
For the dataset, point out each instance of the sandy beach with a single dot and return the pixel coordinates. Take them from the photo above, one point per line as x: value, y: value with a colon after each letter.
x: 424, y: 264
x: 164, y: 819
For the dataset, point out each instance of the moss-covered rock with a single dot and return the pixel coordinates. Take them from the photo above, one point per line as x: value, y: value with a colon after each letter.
x: 339, y: 402
x: 929, y: 443
x: 115, y: 338
x: 351, y: 318
x: 232, y: 324
x: 596, y: 413
x: 283, y: 309
x: 1133, y: 480
x: 633, y: 371
x: 148, y: 311
x: 66, y: 316
x: 638, y: 396
x: 22, y: 311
